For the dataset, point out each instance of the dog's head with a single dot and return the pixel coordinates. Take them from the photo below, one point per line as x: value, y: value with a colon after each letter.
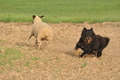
x: 87, y: 35
x: 37, y: 18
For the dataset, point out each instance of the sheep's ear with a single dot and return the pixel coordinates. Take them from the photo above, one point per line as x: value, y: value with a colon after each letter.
x: 33, y: 16
x: 41, y: 16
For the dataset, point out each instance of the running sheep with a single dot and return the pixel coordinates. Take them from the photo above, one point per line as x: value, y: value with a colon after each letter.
x: 41, y: 31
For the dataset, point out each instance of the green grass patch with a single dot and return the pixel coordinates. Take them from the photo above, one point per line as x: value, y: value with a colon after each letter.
x: 8, y: 55
x: 76, y: 11
x: 2, y: 41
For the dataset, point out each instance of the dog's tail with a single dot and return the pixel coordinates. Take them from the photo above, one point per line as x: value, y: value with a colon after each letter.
x: 107, y: 40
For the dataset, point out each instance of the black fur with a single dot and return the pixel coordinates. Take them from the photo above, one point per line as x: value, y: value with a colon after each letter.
x: 91, y: 43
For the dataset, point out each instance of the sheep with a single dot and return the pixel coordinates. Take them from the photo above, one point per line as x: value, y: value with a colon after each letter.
x: 41, y: 31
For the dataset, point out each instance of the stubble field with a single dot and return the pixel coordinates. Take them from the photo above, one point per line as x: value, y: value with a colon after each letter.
x: 19, y: 61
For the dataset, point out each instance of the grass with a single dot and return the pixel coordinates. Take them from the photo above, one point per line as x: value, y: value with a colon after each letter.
x: 9, y: 55
x: 76, y: 11
x: 11, y: 58
x: 84, y: 65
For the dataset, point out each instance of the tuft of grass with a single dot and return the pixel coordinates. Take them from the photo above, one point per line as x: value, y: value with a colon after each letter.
x: 27, y: 64
x: 84, y: 65
x: 1, y: 40
x: 77, y: 11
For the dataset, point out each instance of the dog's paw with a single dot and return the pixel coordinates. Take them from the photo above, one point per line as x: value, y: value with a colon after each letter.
x: 92, y: 55
x: 85, y: 55
x: 88, y: 56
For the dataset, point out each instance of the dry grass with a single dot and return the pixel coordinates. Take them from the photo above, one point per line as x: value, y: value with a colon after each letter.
x: 57, y: 61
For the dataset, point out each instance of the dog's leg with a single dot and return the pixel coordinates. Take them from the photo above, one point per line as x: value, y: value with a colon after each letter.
x: 76, y: 52
x: 82, y: 54
x: 95, y: 53
x: 99, y: 54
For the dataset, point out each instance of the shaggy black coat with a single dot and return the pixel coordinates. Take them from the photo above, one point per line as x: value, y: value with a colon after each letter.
x: 91, y: 43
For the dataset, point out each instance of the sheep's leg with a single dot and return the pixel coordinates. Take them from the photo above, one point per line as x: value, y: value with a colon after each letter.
x: 29, y: 38
x: 36, y: 42
x: 39, y: 45
x: 46, y: 42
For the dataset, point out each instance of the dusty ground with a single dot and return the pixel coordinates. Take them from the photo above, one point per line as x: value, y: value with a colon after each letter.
x: 57, y: 61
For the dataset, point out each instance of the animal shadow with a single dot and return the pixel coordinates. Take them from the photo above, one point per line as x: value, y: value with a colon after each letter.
x: 71, y: 53
x: 21, y: 44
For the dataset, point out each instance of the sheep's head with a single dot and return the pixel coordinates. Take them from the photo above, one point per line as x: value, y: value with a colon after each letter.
x: 37, y: 18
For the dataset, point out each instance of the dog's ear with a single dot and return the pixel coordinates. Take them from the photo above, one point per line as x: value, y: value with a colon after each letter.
x: 84, y: 29
x: 91, y: 29
x: 41, y: 16
x: 33, y: 16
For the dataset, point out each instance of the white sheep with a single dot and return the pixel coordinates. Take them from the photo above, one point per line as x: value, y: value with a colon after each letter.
x: 41, y: 31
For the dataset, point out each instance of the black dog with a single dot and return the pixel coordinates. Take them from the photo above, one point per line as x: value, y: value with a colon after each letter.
x: 91, y: 43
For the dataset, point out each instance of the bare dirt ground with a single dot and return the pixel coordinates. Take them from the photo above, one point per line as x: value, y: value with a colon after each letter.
x: 57, y: 61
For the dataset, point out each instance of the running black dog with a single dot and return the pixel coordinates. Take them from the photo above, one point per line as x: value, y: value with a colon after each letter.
x: 91, y: 43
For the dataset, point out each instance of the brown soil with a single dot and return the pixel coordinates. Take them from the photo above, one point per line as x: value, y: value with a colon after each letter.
x: 57, y: 61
